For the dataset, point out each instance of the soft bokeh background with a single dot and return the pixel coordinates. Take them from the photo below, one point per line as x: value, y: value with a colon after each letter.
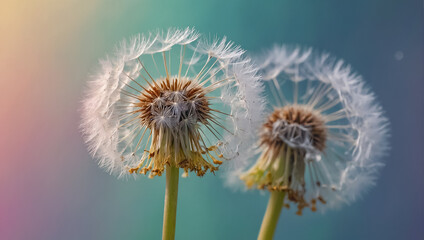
x: 50, y: 188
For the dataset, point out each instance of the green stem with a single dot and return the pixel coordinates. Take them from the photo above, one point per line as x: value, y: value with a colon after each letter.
x: 170, y: 209
x: 269, y: 223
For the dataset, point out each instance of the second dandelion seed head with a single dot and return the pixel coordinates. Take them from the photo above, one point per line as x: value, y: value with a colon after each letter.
x: 323, y: 140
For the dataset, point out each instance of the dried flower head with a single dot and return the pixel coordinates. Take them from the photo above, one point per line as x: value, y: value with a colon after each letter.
x: 170, y: 99
x: 323, y: 140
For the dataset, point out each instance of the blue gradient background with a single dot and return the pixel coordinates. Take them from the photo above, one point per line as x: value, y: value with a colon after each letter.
x: 50, y: 188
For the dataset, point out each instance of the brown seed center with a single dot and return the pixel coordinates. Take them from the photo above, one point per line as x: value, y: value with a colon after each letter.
x: 173, y: 104
x: 297, y: 126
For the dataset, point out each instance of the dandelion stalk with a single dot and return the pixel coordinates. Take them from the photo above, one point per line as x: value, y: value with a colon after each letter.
x: 170, y: 208
x: 270, y: 220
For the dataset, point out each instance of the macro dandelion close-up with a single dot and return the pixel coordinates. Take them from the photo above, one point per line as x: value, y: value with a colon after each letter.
x: 211, y: 120
x: 322, y: 142
x: 166, y: 101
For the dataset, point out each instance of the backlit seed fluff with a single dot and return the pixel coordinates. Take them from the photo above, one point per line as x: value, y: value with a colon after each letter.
x: 323, y: 138
x: 170, y: 98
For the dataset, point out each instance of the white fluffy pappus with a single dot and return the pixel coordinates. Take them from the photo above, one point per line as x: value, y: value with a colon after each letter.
x: 325, y: 133
x: 171, y: 98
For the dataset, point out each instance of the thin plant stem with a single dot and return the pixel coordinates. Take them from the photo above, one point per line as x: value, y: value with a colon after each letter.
x: 273, y: 210
x: 170, y: 209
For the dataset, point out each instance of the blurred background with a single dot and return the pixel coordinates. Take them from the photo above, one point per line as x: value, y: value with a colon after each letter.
x: 50, y: 188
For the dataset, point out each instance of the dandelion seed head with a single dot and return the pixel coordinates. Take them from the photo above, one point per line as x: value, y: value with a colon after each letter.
x: 171, y: 98
x: 324, y: 136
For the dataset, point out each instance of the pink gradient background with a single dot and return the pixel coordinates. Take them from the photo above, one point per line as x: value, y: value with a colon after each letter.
x: 40, y: 150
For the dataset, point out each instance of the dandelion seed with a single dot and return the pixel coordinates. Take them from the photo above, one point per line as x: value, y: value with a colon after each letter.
x: 321, y: 145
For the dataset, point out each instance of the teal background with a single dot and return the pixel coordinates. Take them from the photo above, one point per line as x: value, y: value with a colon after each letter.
x: 51, y: 188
